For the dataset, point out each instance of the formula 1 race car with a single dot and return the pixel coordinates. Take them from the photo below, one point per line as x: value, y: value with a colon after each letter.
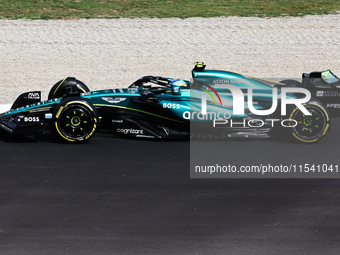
x: 211, y: 105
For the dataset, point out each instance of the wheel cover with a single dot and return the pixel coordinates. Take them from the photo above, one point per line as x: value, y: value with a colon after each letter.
x: 75, y: 122
x: 312, y: 126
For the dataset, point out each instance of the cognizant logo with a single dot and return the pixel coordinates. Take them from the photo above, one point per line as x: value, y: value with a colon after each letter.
x: 130, y: 131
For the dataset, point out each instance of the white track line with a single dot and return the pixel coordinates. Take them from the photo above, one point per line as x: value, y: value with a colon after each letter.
x: 4, y: 107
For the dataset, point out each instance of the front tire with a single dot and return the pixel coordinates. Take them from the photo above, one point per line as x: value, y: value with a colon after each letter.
x: 75, y: 119
x: 310, y: 128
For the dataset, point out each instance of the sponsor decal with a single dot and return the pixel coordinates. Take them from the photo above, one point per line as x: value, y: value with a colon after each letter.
x: 115, y: 100
x: 34, y: 95
x: 31, y: 119
x: 187, y: 115
x: 130, y: 131
x: 319, y: 93
x: 229, y: 81
x: 333, y: 105
x: 330, y: 93
x: 170, y: 105
x: 132, y: 90
x: 117, y: 121
x: 40, y: 110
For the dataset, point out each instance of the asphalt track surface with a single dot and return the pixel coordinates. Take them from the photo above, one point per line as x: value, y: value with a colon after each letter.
x: 123, y: 196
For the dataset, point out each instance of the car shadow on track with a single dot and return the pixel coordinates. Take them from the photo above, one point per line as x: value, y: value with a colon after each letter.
x: 12, y: 138
x: 50, y: 137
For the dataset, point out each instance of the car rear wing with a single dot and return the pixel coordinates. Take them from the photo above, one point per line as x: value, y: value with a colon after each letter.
x: 327, y: 76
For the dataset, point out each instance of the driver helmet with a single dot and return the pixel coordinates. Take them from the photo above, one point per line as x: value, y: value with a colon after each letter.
x: 176, y: 82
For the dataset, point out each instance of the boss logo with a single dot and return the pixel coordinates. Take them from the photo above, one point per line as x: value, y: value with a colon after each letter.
x: 35, y: 95
x: 31, y: 119
x: 170, y: 105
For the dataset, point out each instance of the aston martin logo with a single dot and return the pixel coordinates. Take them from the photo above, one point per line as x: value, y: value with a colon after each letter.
x: 115, y: 100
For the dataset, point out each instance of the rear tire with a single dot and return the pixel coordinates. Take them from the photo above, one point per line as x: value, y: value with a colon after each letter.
x: 75, y: 119
x: 66, y: 86
x: 310, y: 128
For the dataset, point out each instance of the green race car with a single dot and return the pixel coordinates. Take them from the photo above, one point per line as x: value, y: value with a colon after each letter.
x: 214, y: 104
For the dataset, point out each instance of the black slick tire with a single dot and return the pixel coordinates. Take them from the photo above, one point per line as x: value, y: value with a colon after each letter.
x: 75, y: 119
